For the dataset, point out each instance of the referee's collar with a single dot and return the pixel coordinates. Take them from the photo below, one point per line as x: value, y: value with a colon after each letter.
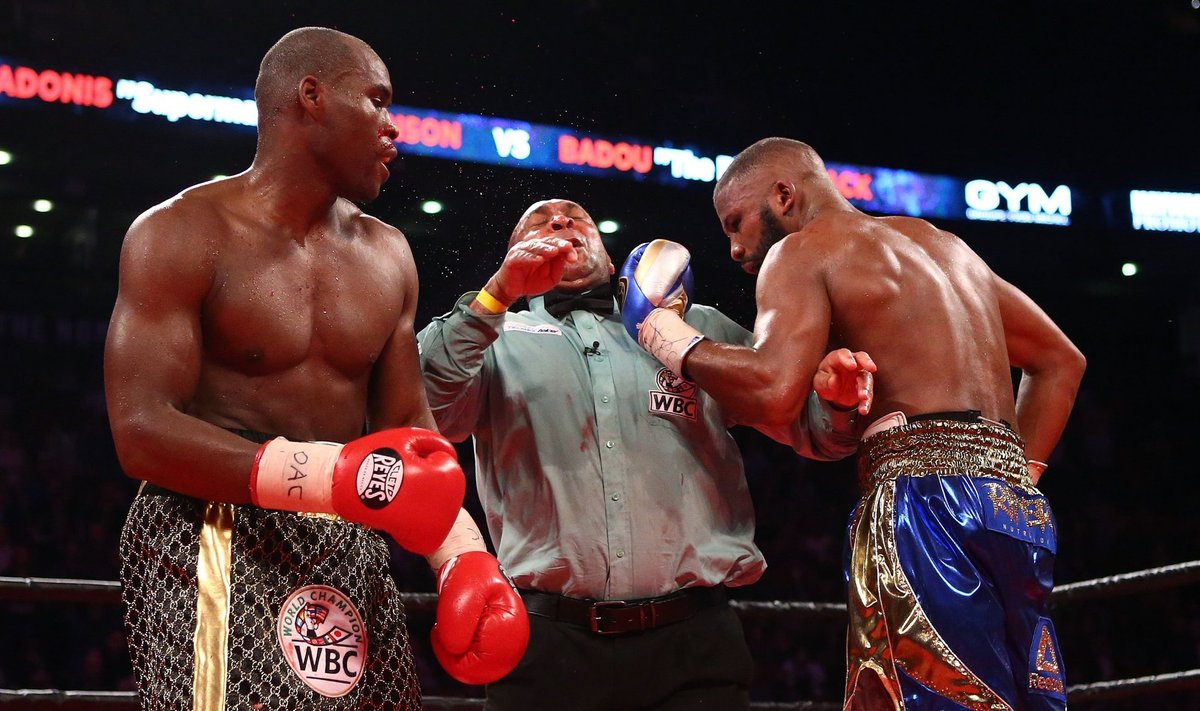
x: 598, y: 299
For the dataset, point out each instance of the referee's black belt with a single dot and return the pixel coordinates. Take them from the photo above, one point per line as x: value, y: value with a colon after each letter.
x: 610, y: 617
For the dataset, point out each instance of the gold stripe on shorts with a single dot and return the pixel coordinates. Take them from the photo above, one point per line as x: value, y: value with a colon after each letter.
x: 210, y: 641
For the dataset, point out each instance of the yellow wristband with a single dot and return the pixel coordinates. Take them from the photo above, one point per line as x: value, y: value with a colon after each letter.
x: 490, y: 302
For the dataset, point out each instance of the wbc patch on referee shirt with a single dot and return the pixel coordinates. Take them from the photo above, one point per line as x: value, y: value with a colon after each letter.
x: 323, y: 639
x: 675, y: 396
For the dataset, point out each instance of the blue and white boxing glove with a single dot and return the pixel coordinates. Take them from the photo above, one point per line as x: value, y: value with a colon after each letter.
x: 655, y: 291
x: 655, y: 274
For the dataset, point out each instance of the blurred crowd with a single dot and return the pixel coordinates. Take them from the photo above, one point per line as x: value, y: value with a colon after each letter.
x: 1111, y: 481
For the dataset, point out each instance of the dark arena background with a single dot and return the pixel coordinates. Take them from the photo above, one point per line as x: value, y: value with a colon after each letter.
x: 1060, y: 140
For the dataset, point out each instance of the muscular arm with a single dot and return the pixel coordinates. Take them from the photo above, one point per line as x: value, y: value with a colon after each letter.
x: 769, y: 383
x: 152, y: 365
x: 823, y: 433
x: 397, y: 395
x: 1051, y: 369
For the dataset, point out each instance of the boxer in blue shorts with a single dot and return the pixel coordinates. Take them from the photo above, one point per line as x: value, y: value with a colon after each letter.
x: 951, y: 549
x: 950, y: 534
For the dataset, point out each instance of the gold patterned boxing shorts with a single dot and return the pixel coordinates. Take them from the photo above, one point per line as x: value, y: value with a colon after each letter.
x: 949, y: 568
x: 237, y: 607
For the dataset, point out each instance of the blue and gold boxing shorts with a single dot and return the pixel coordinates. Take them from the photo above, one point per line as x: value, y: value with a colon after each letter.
x: 949, y: 565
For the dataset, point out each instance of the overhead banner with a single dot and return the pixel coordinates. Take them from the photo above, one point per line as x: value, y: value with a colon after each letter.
x: 1159, y: 211
x: 521, y: 144
x: 531, y: 146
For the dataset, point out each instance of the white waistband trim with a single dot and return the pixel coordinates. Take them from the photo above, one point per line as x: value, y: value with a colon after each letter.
x: 887, y: 422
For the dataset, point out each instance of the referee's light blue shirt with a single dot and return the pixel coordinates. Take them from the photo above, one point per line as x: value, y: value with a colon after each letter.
x: 601, y: 473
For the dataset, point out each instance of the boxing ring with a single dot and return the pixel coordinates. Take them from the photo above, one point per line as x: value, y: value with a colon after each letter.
x: 58, y: 590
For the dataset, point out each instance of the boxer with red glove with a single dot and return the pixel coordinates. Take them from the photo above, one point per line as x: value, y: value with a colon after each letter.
x: 482, y: 627
x: 404, y: 481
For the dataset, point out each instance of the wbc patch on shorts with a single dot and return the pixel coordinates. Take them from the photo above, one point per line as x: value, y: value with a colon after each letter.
x: 675, y: 396
x: 1017, y: 514
x: 1046, y: 673
x: 323, y: 639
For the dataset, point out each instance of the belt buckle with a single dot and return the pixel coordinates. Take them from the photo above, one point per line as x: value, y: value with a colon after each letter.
x: 594, y: 616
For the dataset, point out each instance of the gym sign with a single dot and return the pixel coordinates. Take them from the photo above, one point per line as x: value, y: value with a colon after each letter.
x: 1024, y: 202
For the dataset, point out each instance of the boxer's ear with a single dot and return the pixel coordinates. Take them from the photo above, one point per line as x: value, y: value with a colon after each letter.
x: 310, y: 94
x: 784, y: 194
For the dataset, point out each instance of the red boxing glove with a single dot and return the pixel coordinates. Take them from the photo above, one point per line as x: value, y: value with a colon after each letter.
x: 404, y: 481
x: 482, y: 628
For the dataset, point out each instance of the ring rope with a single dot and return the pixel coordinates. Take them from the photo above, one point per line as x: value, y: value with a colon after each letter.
x: 128, y: 700
x: 1120, y: 688
x: 1137, y: 581
x: 757, y: 608
x: 122, y: 700
x: 107, y: 591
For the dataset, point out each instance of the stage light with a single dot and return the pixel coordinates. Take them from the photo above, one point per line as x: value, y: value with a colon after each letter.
x: 431, y: 207
x: 1129, y: 269
x: 607, y: 226
x: 42, y: 206
x: 5, y: 157
x: 23, y: 231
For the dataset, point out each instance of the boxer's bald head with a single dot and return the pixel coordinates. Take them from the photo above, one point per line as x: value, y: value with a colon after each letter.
x: 772, y: 158
x: 322, y: 113
x: 308, y: 51
x: 770, y: 190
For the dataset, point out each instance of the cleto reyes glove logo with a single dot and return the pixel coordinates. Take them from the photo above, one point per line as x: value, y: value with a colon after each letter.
x: 379, y: 477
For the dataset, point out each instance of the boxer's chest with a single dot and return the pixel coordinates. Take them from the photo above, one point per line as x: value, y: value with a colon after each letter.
x: 265, y: 316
